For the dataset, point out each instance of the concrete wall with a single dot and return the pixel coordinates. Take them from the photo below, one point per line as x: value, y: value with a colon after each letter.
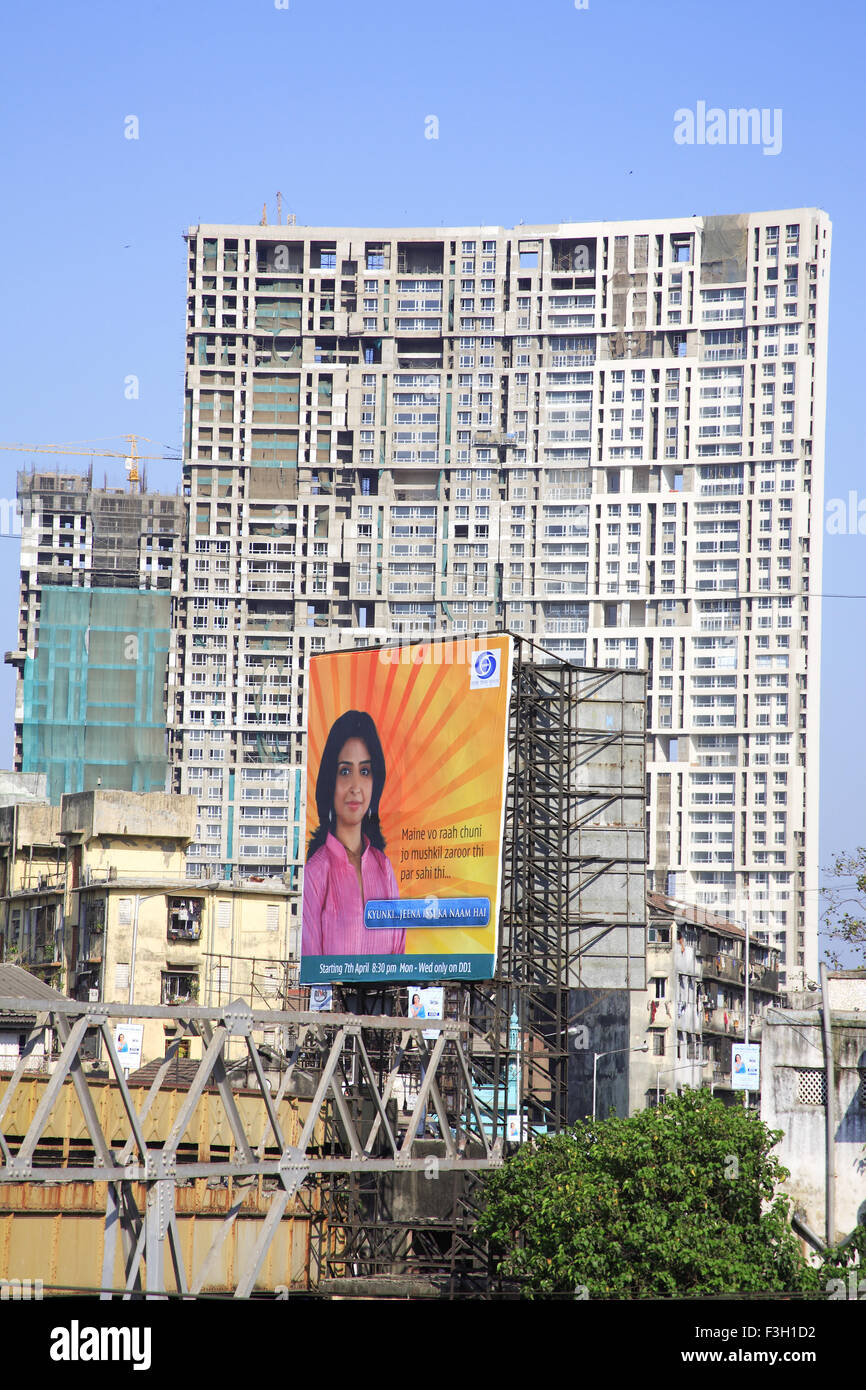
x: 107, y: 812
x: 792, y: 1060
x: 18, y: 787
x: 847, y: 990
x: 138, y: 855
x: 608, y: 884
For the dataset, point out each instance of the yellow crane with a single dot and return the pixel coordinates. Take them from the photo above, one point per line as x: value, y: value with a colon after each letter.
x: 131, y: 455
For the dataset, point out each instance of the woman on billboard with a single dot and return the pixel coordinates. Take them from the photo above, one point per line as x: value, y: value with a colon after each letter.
x: 346, y: 861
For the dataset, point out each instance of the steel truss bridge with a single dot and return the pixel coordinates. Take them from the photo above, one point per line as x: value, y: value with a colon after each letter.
x: 345, y: 1127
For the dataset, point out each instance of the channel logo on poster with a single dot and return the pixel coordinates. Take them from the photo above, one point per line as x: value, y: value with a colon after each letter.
x: 485, y: 671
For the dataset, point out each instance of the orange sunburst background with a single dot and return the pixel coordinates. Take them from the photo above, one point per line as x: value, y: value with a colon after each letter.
x: 444, y: 747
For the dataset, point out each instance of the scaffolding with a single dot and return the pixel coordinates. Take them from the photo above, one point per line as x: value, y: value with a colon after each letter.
x: 573, y: 918
x: 93, y: 695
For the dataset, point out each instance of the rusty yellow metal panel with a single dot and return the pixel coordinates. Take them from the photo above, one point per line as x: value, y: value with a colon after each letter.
x: 64, y: 1248
x: 55, y: 1232
x: 209, y: 1125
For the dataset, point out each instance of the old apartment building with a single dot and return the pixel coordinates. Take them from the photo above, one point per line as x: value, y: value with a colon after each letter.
x: 700, y: 979
x: 96, y: 902
x: 605, y: 436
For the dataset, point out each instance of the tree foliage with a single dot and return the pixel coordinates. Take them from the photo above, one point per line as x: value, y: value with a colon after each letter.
x: 845, y: 906
x: 679, y: 1199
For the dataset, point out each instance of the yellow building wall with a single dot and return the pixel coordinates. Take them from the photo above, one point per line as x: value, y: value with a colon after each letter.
x: 154, y: 953
x: 138, y: 855
x: 231, y: 961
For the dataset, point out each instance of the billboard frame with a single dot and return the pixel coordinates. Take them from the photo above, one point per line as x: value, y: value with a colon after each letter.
x: 354, y: 967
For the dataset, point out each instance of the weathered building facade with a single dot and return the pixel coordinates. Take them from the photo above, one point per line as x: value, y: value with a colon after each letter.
x: 813, y: 1065
x: 95, y: 901
x: 695, y: 1006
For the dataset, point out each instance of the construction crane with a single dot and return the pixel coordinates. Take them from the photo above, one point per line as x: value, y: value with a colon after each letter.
x: 131, y: 455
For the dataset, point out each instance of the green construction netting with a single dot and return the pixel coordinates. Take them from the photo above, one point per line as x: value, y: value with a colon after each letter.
x: 94, y: 693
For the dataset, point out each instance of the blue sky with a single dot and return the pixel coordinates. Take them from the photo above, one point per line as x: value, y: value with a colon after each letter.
x: 545, y: 112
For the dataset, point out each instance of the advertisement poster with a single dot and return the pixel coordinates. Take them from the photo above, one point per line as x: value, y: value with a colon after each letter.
x: 746, y: 1066
x: 128, y: 1039
x: 426, y: 1003
x: 406, y: 764
x: 321, y: 999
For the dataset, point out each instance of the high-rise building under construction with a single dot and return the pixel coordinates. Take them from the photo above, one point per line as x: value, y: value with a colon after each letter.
x: 98, y: 568
x: 605, y: 436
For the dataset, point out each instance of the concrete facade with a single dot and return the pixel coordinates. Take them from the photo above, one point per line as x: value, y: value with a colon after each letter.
x: 22, y: 786
x: 33, y: 898
x: 795, y: 1068
x: 176, y: 941
x: 607, y: 436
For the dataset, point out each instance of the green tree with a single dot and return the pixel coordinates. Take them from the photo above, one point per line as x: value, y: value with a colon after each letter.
x: 845, y: 907
x: 679, y: 1199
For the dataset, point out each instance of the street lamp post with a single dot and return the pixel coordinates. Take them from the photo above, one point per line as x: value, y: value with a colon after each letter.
x: 139, y: 899
x: 596, y: 1057
x: 669, y: 1072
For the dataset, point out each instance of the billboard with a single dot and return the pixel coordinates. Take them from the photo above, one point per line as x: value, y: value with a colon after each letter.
x: 406, y: 765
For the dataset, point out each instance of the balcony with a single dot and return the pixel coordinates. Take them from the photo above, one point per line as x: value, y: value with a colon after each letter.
x: 724, y: 967
x: 185, y: 919
x: 731, y: 969
x: 713, y: 1021
x: 497, y: 438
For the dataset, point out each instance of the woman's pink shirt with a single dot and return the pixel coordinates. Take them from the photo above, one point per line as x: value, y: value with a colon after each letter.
x: 333, y: 921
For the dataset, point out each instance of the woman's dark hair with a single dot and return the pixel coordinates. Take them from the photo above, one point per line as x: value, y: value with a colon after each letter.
x: 353, y: 724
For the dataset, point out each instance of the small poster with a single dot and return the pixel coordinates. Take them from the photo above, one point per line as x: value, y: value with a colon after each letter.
x: 746, y: 1066
x: 426, y: 1003
x: 516, y: 1129
x: 321, y: 999
x: 128, y: 1040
